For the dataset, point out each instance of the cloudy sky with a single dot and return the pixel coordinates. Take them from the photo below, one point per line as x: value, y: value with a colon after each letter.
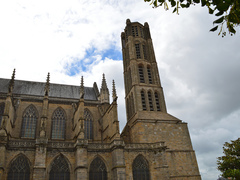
x: 199, y: 70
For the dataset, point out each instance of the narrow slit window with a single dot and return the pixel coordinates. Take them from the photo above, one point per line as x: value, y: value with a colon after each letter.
x: 149, y: 75
x: 143, y: 101
x: 144, y: 52
x: 141, y: 31
x: 136, y: 30
x: 157, y: 101
x: 141, y: 74
x: 138, y: 54
x: 150, y: 101
x: 133, y: 32
x: 2, y: 106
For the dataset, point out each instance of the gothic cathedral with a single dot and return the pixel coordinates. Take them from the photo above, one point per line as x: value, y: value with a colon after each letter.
x: 64, y: 132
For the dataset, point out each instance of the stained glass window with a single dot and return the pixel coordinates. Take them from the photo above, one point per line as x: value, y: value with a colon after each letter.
x: 19, y: 169
x: 59, y: 169
x: 143, y: 101
x: 58, y: 124
x: 157, y: 101
x: 150, y: 101
x: 98, y: 170
x: 2, y: 106
x: 29, y: 122
x: 140, y: 169
x: 141, y: 74
x: 88, y: 124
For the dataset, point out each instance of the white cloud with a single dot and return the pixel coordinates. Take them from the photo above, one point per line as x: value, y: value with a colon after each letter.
x: 199, y: 70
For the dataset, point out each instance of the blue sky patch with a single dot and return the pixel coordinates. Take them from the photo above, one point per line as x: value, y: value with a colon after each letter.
x: 82, y: 64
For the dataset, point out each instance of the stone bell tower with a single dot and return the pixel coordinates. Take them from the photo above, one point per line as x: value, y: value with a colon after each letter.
x: 147, y: 117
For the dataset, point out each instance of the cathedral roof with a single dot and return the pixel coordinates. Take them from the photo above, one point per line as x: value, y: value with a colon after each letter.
x: 56, y: 90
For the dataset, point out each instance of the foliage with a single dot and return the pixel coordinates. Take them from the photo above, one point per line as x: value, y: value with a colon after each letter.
x: 227, y: 12
x: 229, y: 164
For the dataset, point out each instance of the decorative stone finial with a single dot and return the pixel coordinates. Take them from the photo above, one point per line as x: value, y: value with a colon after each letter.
x: 82, y: 89
x: 114, y: 93
x: 11, y: 83
x: 104, y: 93
x: 47, y: 85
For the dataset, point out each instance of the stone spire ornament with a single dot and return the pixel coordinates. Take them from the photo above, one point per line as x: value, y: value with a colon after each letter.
x: 11, y: 83
x: 104, y: 92
x: 82, y: 88
x: 114, y: 93
x: 47, y: 85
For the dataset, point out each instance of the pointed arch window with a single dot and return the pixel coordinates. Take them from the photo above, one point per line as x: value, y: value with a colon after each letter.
x: 29, y: 122
x: 58, y: 124
x: 149, y: 75
x: 2, y: 106
x: 150, y: 101
x: 140, y: 168
x: 98, y: 170
x: 157, y: 102
x: 141, y: 74
x: 144, y: 108
x: 88, y: 124
x: 59, y: 169
x: 19, y: 169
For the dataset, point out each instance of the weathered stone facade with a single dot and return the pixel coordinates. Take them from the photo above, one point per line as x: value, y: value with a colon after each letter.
x: 43, y: 125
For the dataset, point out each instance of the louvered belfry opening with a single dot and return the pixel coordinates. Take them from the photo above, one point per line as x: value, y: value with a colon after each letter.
x: 98, y: 170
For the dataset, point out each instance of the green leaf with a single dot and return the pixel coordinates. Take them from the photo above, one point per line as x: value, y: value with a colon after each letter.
x: 183, y: 5
x: 203, y: 2
x: 173, y: 3
x: 210, y: 10
x: 214, y: 29
x: 220, y: 20
x: 222, y: 6
x: 219, y: 13
x: 175, y: 9
x: 196, y: 1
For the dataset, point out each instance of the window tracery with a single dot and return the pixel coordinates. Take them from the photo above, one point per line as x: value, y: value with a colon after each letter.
x: 88, y: 124
x: 59, y: 169
x: 140, y: 168
x: 98, y: 170
x: 29, y: 122
x: 58, y: 124
x: 19, y: 169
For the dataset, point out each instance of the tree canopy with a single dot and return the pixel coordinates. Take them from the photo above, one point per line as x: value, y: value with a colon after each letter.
x: 227, y: 12
x: 229, y: 164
